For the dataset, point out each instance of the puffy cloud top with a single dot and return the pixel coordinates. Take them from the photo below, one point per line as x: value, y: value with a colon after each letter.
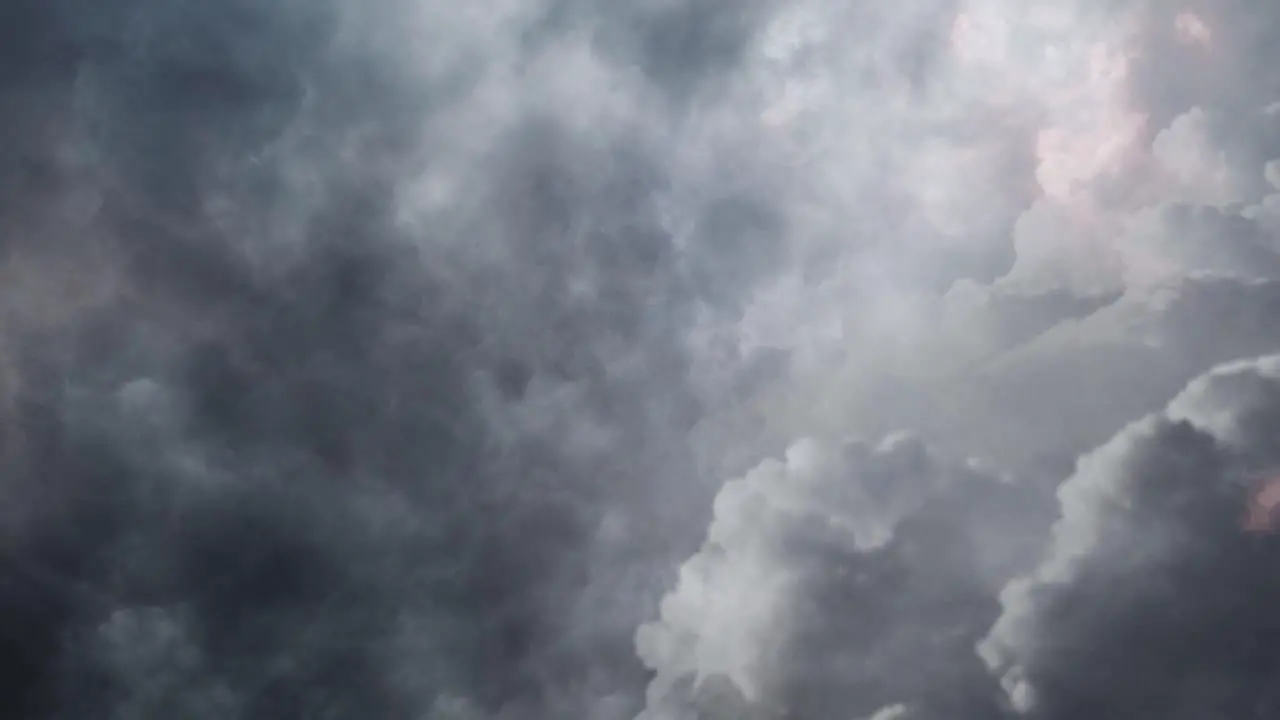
x: 843, y: 577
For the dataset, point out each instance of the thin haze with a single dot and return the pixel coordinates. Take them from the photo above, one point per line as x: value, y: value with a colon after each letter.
x: 665, y: 360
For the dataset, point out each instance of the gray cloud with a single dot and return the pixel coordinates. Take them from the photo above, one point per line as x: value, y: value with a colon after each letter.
x: 306, y: 452
x: 1153, y: 601
x: 386, y: 359
x: 842, y: 580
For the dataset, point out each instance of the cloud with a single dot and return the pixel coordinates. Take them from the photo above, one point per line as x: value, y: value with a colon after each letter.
x: 1105, y: 199
x: 1069, y: 388
x: 387, y: 357
x: 841, y: 578
x: 1153, y: 600
x: 335, y: 448
x: 150, y: 652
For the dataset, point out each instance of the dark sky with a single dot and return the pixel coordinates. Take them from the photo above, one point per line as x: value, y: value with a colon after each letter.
x: 547, y: 359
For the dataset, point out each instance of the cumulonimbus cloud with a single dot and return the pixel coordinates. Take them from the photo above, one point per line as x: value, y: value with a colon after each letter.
x: 387, y: 359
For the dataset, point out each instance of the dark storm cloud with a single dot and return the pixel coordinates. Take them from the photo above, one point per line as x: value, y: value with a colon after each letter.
x: 1153, y: 601
x: 281, y: 453
x: 682, y: 46
x: 368, y: 359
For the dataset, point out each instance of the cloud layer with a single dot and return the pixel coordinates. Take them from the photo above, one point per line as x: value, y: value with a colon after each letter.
x: 388, y: 359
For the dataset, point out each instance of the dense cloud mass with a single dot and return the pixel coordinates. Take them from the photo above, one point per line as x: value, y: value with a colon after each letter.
x: 849, y: 577
x: 418, y: 359
x: 1156, y: 598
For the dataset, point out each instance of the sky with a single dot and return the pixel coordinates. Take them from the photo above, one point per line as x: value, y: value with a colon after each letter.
x: 661, y: 360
